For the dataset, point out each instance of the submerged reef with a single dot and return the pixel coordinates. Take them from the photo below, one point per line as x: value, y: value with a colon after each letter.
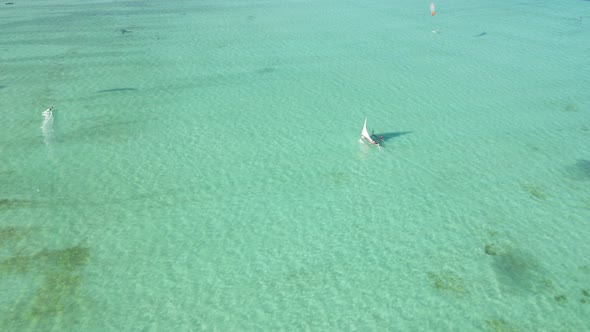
x: 535, y: 191
x: 6, y: 203
x: 55, y: 295
x: 500, y: 325
x: 57, y: 259
x: 579, y: 171
x: 493, y: 249
x: 9, y: 233
x: 447, y: 282
x: 58, y: 291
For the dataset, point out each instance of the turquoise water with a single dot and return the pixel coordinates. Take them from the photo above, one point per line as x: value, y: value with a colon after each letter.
x: 203, y: 169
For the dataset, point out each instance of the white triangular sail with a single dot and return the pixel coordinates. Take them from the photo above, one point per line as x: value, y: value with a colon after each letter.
x: 365, y: 134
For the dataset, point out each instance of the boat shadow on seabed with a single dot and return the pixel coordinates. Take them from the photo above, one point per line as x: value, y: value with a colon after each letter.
x: 385, y: 137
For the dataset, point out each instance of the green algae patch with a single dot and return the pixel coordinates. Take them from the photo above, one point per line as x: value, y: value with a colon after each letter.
x: 10, y: 234
x: 69, y: 258
x: 48, y: 259
x: 17, y: 264
x: 562, y: 299
x: 6, y: 203
x: 548, y: 284
x: 492, y: 233
x: 58, y: 292
x: 55, y: 295
x: 492, y: 249
x: 57, y: 300
x: 537, y: 192
x: 447, y: 282
x: 499, y: 325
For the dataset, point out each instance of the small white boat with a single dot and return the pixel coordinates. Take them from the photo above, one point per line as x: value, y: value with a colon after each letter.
x: 47, y: 125
x: 365, y: 137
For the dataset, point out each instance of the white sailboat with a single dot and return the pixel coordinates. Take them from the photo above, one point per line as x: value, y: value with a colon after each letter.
x: 365, y: 137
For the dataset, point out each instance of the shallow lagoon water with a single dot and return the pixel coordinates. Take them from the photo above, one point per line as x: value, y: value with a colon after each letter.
x: 203, y: 170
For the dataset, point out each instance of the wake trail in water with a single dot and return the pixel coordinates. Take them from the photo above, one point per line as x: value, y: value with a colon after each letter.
x: 47, y: 125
